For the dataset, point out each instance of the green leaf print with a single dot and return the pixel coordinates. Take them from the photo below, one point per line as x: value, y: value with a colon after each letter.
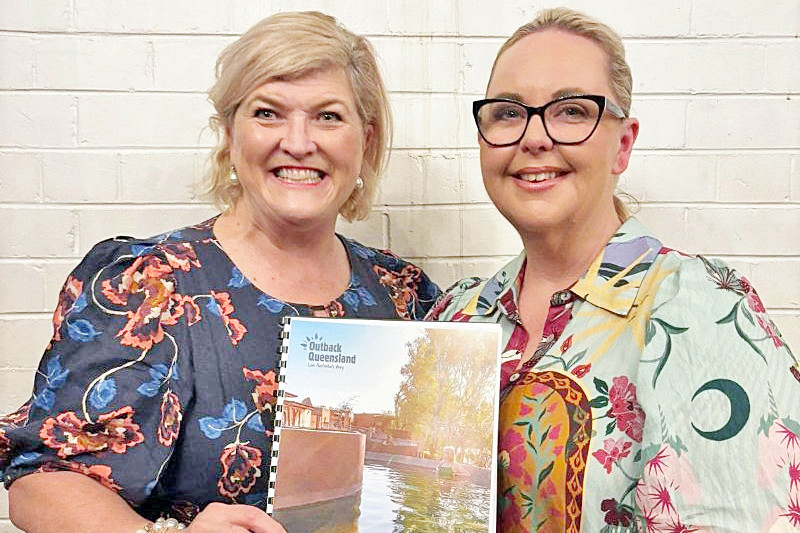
x: 791, y: 425
x: 650, y: 332
x: 669, y: 330
x: 598, y: 402
x: 544, y: 473
x: 601, y: 386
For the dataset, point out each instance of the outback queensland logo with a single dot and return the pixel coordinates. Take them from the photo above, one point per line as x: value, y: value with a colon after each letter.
x: 326, y: 354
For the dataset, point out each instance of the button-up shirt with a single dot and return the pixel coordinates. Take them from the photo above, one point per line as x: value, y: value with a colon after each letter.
x: 661, y: 398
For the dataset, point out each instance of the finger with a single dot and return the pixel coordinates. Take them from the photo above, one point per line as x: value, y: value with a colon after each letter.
x: 234, y: 518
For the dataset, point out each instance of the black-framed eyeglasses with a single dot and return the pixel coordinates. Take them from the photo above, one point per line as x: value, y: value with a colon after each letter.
x: 567, y: 120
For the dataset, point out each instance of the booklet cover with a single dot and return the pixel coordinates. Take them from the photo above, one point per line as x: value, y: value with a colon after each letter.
x: 386, y: 426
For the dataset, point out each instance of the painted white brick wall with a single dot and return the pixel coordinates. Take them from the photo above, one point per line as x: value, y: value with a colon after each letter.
x: 104, y: 111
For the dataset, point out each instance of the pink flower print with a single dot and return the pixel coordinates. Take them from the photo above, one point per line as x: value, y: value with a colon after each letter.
x: 512, y: 451
x: 539, y: 388
x: 625, y: 408
x: 613, y: 451
x: 650, y: 519
x: 510, y: 513
x: 769, y: 328
x: 524, y: 409
x: 657, y: 464
x: 794, y: 476
x: 566, y: 344
x: 793, y: 512
x: 581, y: 370
x: 662, y: 498
x: 779, y: 456
x: 789, y: 437
x: 667, y: 469
x: 753, y: 300
x: 678, y: 527
x: 616, y: 515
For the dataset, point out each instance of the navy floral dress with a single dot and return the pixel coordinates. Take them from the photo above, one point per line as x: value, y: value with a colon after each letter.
x: 162, y: 364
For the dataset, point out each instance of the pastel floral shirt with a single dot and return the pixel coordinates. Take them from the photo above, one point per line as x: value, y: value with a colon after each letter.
x: 661, y: 398
x: 159, y: 380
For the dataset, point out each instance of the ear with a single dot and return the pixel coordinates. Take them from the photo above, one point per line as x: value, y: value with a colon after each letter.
x: 369, y: 131
x: 628, y: 134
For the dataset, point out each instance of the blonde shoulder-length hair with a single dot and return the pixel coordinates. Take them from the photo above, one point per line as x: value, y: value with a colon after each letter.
x: 289, y: 46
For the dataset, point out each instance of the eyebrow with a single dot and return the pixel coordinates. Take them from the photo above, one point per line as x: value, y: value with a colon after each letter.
x: 567, y: 91
x: 267, y: 99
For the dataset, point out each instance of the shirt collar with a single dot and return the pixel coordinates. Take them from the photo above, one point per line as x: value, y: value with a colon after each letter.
x: 611, y: 282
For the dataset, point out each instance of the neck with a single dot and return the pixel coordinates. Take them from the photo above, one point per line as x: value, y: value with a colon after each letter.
x: 295, y: 264
x: 557, y: 257
x: 269, y: 238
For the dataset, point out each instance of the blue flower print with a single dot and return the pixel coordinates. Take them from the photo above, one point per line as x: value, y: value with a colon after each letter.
x: 361, y: 251
x: 175, y: 234
x: 56, y: 377
x: 356, y: 294
x: 255, y: 423
x: 212, y: 427
x: 272, y: 305
x: 148, y: 489
x: 237, y: 280
x: 158, y: 373
x: 24, y: 459
x: 103, y: 393
x: 139, y: 250
x: 233, y: 413
x: 213, y: 307
x: 82, y: 331
x: 79, y: 304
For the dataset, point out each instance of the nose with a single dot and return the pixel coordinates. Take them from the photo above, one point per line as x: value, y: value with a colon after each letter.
x: 297, y: 139
x: 535, y: 138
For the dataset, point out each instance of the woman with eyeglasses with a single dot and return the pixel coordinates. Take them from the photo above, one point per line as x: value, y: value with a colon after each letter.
x: 641, y: 389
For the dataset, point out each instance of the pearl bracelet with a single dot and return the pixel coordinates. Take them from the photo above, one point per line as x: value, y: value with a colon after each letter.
x: 162, y: 525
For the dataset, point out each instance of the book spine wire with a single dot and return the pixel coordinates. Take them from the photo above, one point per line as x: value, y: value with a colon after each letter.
x: 279, y: 397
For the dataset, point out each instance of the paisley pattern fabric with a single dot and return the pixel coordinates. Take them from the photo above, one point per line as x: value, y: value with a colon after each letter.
x: 160, y: 378
x: 661, y: 398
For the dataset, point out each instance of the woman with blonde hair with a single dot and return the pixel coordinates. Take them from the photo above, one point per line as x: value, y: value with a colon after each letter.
x: 154, y: 398
x: 642, y: 389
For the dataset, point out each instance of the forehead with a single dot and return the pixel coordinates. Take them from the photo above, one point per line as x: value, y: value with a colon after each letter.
x: 544, y: 63
x: 330, y: 83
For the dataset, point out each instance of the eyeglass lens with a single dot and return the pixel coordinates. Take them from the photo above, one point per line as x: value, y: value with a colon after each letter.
x: 569, y: 120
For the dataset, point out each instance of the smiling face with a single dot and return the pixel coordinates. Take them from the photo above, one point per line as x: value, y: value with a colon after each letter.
x: 541, y: 186
x: 297, y: 147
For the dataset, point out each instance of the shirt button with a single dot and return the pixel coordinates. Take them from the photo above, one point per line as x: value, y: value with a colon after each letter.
x: 513, y: 377
x: 560, y: 298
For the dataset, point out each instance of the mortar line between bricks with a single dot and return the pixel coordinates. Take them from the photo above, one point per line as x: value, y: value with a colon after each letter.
x: 441, y: 150
x: 148, y: 206
x: 447, y: 37
x: 444, y: 94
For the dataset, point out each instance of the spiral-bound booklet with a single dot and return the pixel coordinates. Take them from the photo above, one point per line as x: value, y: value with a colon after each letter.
x: 386, y: 426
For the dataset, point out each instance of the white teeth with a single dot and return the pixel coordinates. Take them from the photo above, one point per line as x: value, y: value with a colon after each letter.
x: 540, y: 176
x: 299, y: 175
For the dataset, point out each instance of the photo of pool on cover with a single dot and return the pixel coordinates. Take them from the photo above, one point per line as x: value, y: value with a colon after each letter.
x: 387, y: 427
x: 395, y: 499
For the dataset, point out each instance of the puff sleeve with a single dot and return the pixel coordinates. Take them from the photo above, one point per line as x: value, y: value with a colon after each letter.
x: 109, y: 390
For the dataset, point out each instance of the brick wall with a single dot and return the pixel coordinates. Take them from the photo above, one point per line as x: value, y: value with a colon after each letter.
x: 103, y: 110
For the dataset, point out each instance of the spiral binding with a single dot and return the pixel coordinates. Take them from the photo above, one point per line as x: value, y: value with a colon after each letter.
x: 279, y: 395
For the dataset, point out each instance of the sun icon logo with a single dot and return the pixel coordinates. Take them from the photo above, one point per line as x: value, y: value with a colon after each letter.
x: 315, y: 339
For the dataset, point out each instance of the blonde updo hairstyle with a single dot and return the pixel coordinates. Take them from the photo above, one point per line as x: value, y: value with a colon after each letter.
x: 288, y: 46
x: 619, y: 72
